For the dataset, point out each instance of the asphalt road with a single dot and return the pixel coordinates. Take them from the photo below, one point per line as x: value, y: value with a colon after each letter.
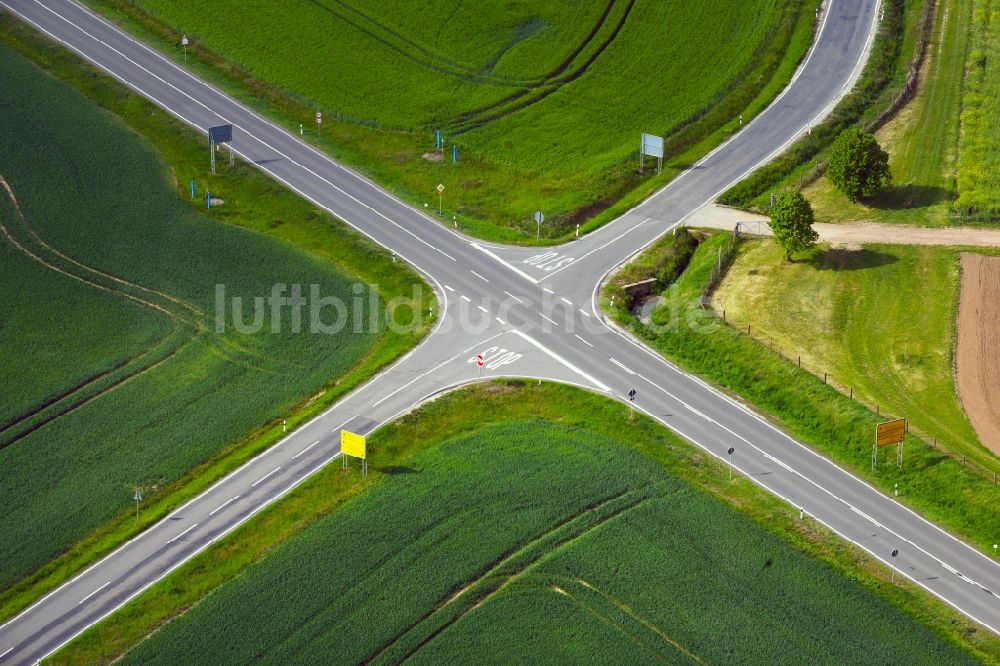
x: 529, y: 316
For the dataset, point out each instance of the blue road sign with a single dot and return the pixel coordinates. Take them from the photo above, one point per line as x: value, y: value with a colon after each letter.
x: 437, y: 140
x: 454, y: 153
x: 220, y: 134
x: 192, y: 188
x: 208, y: 199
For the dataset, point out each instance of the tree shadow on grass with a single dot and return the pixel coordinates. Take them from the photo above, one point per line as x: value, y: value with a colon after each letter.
x: 904, y: 197
x: 845, y: 259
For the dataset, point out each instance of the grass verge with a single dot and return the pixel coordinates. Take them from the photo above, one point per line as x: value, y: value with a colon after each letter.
x: 490, y: 193
x: 253, y: 203
x: 879, y: 319
x: 931, y: 481
x: 922, y: 140
x: 882, y: 81
x: 400, y: 451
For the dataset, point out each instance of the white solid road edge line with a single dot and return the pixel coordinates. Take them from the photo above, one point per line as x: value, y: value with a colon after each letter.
x: 559, y: 358
x: 759, y: 482
x: 505, y: 263
x: 90, y: 595
x: 200, y: 129
x: 622, y: 366
x: 198, y: 550
x: 5, y: 652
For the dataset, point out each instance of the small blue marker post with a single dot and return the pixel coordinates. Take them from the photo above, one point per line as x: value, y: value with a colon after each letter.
x: 437, y: 140
x: 192, y: 188
x: 208, y: 199
x: 454, y: 153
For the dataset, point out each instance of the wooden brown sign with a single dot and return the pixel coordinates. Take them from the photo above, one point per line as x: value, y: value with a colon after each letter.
x: 890, y: 432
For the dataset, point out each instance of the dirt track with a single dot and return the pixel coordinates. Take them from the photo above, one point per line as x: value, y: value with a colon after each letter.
x: 854, y: 233
x: 978, y: 350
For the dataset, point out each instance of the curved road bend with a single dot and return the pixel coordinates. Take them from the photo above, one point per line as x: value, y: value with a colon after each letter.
x: 528, y: 321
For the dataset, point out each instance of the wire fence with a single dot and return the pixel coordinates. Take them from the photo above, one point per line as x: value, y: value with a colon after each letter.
x: 726, y: 257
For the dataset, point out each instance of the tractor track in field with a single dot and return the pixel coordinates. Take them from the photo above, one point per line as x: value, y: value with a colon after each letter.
x: 478, y: 117
x: 530, y: 91
x: 182, y: 314
x: 427, y: 58
x: 511, y: 566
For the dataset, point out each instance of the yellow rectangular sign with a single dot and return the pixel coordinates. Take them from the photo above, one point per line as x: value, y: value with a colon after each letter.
x: 890, y: 432
x: 352, y: 444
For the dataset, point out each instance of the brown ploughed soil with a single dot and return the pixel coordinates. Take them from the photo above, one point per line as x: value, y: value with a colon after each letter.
x: 977, y: 357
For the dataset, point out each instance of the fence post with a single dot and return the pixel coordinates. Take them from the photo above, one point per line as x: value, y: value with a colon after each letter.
x: 824, y: 378
x: 723, y: 316
x: 877, y: 410
x: 852, y: 393
x: 800, y: 361
x: 748, y: 329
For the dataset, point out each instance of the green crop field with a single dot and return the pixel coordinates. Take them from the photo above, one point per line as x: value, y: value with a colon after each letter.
x: 545, y: 100
x: 880, y: 319
x: 115, y: 374
x: 979, y: 154
x: 922, y: 140
x: 531, y: 542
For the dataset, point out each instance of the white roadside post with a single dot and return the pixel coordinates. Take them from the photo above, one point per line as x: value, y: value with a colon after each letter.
x: 138, y: 498
x: 319, y: 121
x: 539, y: 218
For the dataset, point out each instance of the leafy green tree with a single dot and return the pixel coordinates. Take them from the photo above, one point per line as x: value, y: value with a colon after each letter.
x: 858, y: 166
x: 791, y: 223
